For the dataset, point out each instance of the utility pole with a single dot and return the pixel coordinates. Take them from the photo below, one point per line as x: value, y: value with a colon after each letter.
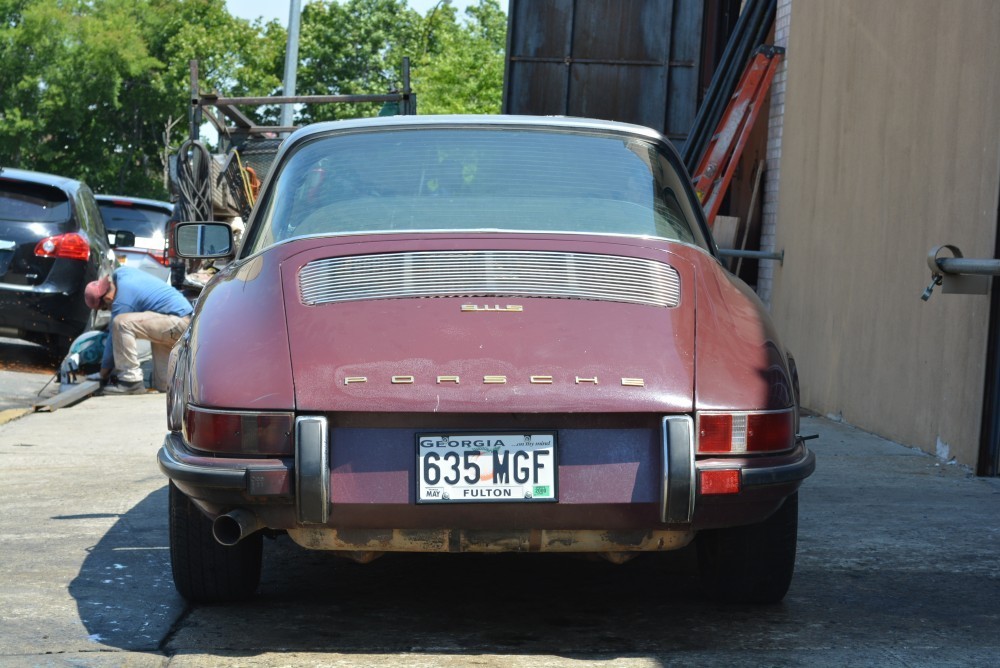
x: 291, y: 59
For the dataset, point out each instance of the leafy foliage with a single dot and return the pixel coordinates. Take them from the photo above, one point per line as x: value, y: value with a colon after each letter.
x: 461, y: 71
x: 99, y: 89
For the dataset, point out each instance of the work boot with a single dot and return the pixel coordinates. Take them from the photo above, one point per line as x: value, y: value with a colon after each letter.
x: 125, y: 387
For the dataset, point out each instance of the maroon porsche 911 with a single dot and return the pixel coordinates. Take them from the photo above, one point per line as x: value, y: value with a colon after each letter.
x: 479, y: 334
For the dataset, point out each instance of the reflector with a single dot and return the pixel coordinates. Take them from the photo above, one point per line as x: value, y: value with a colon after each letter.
x: 715, y: 433
x: 725, y: 481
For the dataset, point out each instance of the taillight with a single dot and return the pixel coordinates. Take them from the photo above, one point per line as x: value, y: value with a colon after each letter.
x: 745, y: 432
x: 237, y: 432
x: 171, y: 253
x: 72, y: 246
x: 160, y: 256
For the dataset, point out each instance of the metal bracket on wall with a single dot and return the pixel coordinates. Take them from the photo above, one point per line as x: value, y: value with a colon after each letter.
x: 957, y: 275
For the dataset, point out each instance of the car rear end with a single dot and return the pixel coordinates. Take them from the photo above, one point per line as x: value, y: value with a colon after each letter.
x: 147, y: 220
x: 46, y: 259
x: 513, y: 340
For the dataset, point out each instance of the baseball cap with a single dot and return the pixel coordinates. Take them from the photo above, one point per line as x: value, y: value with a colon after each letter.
x: 95, y: 291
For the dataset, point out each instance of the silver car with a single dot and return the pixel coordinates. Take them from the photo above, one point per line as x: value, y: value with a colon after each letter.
x: 147, y: 220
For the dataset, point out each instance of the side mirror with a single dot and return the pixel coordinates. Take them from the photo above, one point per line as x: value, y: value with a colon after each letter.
x: 121, y: 238
x: 204, y: 240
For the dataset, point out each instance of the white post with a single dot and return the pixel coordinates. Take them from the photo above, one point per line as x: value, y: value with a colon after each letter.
x: 291, y: 58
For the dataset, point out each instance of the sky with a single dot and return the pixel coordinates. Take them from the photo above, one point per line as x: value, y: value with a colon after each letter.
x: 278, y: 9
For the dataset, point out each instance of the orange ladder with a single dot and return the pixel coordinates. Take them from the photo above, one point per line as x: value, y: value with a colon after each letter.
x: 717, y: 165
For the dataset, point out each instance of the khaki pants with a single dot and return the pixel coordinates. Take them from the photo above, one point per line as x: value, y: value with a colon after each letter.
x: 162, y: 331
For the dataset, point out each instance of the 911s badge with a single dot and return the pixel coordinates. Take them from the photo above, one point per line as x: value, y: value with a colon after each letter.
x: 496, y: 308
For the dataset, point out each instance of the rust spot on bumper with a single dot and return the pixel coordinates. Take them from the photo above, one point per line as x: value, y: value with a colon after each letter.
x: 470, y: 540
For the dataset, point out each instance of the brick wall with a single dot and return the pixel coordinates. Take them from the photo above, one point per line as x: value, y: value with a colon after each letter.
x: 772, y: 177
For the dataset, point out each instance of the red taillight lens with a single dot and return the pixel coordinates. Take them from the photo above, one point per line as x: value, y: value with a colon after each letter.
x: 160, y: 256
x: 769, y: 431
x: 715, y: 433
x: 740, y: 433
x: 238, y: 433
x: 72, y: 246
x: 168, y: 234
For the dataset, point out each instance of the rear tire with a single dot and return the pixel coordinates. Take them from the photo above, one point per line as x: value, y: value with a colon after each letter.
x: 205, y: 571
x: 752, y: 563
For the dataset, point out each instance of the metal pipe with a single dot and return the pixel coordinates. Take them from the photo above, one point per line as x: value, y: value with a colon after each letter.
x: 955, y: 265
x: 753, y: 255
x: 408, y: 105
x: 208, y: 100
x: 194, y: 117
x: 234, y: 526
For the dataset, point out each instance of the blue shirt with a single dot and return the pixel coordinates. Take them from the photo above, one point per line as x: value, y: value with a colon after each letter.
x: 136, y: 292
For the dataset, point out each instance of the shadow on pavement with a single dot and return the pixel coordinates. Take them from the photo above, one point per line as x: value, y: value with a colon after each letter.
x: 124, y: 592
x: 897, y: 566
x: 477, y: 604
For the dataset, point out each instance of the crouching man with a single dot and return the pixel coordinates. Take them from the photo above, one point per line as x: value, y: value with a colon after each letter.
x: 142, y: 307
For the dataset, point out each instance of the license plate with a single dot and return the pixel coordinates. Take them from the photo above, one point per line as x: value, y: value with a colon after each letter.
x: 486, y: 468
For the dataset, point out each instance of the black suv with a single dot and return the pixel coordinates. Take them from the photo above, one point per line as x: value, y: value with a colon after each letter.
x: 52, y: 243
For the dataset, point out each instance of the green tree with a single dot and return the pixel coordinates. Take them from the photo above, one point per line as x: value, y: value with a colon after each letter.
x: 69, y: 70
x: 235, y: 57
x: 355, y: 48
x: 461, y: 70
x: 87, y: 87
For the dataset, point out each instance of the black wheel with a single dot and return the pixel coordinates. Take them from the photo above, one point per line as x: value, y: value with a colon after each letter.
x: 205, y: 571
x: 177, y: 272
x: 752, y: 563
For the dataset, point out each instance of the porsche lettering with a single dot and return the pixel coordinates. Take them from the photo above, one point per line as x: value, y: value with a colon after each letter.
x: 496, y: 380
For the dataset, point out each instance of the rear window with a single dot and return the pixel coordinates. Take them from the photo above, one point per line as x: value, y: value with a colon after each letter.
x: 143, y: 222
x: 32, y: 203
x: 476, y: 179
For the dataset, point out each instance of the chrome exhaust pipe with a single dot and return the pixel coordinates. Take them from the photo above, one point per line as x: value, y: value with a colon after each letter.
x: 234, y: 526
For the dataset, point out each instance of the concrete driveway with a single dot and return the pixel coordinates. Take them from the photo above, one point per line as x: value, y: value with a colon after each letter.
x: 898, y: 566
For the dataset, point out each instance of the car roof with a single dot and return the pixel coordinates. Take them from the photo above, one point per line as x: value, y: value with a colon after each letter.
x: 153, y: 203
x: 491, y: 120
x: 23, y: 175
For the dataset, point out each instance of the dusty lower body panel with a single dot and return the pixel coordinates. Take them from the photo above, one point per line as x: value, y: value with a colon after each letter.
x: 472, y: 540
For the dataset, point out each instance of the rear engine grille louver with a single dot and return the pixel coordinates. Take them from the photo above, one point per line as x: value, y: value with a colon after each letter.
x: 490, y: 274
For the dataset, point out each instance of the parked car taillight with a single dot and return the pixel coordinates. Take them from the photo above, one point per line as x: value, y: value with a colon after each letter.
x: 72, y: 246
x: 167, y: 245
x: 746, y: 432
x: 238, y: 432
x: 160, y: 256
